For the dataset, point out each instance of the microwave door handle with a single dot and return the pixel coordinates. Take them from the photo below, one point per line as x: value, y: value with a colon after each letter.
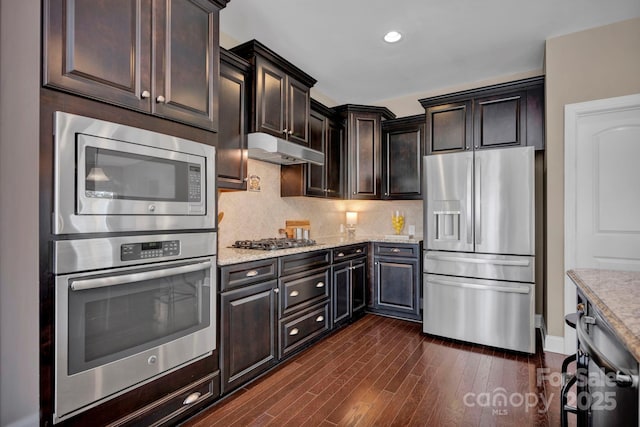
x: 623, y: 378
x: 101, y: 282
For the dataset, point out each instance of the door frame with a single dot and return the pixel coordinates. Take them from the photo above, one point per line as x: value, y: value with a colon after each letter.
x: 572, y: 115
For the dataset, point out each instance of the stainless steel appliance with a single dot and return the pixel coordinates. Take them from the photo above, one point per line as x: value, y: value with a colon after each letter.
x: 272, y: 244
x: 479, y: 255
x: 607, y: 375
x: 116, y: 178
x: 129, y: 309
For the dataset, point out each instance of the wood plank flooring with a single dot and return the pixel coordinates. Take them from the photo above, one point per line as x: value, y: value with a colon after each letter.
x: 385, y: 372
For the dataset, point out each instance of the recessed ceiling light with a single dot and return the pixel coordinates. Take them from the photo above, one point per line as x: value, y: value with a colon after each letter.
x: 392, y: 37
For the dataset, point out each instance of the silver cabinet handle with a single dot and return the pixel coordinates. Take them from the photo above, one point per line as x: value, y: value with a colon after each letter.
x: 290, y: 132
x: 358, y: 251
x: 340, y: 254
x: 252, y: 273
x: 294, y: 331
x: 285, y: 131
x: 160, y: 99
x: 395, y: 250
x: 145, y: 94
x: 319, y: 318
x: 276, y: 291
x: 320, y: 285
x: 101, y: 282
x: 192, y: 398
x: 294, y: 294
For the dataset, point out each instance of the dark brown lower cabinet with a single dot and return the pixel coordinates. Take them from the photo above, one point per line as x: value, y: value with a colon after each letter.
x: 248, y: 327
x: 396, y: 290
x: 349, y: 289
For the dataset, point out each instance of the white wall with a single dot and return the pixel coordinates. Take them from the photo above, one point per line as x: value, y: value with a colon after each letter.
x: 19, y: 135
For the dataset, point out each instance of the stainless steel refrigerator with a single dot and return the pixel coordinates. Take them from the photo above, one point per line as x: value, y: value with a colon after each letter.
x: 479, y: 252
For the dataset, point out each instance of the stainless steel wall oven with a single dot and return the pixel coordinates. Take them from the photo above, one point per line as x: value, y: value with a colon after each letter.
x: 129, y: 309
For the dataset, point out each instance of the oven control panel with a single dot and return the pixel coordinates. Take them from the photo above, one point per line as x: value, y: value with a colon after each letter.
x: 145, y: 250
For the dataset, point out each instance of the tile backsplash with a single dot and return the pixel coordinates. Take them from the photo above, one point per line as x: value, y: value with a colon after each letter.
x: 259, y: 214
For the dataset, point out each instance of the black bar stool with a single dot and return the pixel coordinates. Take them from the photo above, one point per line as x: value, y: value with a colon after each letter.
x: 568, y: 379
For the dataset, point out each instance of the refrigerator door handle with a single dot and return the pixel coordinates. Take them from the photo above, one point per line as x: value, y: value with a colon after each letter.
x: 509, y: 262
x: 469, y: 195
x: 478, y: 222
x: 511, y: 289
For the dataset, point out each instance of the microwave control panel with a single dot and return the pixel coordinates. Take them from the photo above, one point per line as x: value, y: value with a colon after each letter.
x: 145, y: 250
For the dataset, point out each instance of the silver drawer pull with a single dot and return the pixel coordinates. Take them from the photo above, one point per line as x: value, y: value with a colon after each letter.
x: 320, y: 285
x: 294, y: 294
x: 193, y: 397
x: 319, y: 318
x: 395, y: 250
x: 252, y: 273
x: 294, y: 331
x: 358, y: 251
x: 340, y: 253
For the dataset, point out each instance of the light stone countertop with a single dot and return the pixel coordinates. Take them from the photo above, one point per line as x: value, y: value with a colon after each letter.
x: 616, y: 294
x: 227, y: 256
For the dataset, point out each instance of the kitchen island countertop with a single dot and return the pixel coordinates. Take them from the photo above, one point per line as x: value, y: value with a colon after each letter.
x: 227, y: 256
x: 616, y: 294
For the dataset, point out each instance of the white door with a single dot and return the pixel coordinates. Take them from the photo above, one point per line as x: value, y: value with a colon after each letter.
x: 602, y: 190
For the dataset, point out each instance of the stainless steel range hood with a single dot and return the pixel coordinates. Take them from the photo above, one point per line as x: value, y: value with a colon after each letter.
x: 271, y: 149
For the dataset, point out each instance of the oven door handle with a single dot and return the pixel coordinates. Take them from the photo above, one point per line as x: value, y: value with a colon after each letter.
x: 101, y: 282
x: 623, y: 377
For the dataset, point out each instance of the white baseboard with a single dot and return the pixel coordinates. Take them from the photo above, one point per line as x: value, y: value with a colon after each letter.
x: 554, y: 344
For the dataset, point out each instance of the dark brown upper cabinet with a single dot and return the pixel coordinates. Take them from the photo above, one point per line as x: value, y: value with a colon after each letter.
x: 234, y: 113
x: 156, y: 56
x: 402, y: 151
x: 505, y: 115
x: 364, y: 160
x: 325, y: 135
x: 280, y: 93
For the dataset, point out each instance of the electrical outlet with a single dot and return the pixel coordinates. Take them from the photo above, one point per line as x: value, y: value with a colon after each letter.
x: 412, y: 230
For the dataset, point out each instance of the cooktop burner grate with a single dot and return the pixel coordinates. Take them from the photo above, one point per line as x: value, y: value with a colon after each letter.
x: 272, y: 244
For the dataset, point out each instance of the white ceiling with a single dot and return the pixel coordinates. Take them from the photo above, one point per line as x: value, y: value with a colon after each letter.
x: 446, y: 43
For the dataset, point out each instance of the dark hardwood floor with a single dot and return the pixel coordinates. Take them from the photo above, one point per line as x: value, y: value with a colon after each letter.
x: 381, y: 371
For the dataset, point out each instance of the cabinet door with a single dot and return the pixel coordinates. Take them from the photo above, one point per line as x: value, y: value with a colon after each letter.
x: 449, y: 128
x: 297, y: 112
x: 100, y: 49
x: 232, y: 134
x: 333, y: 156
x: 396, y: 286
x: 316, y: 174
x: 185, y: 71
x: 500, y: 121
x: 270, y: 99
x: 402, y: 159
x: 249, y: 336
x: 364, y: 156
x: 358, y: 285
x: 341, y: 292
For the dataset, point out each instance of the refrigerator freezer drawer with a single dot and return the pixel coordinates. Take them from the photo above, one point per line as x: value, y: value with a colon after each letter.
x: 489, y: 312
x: 484, y: 266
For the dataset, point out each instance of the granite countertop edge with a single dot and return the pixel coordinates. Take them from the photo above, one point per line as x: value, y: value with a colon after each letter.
x: 616, y: 295
x: 228, y: 256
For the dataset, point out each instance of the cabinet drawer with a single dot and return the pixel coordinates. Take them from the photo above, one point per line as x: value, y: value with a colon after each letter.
x: 298, y: 330
x: 349, y: 252
x: 303, y: 290
x: 237, y: 275
x: 397, y: 250
x: 303, y: 262
x: 170, y: 408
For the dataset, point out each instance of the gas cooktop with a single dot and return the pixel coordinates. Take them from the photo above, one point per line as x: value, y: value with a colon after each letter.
x: 273, y: 244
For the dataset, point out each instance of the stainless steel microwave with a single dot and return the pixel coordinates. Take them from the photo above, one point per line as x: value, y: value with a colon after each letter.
x: 115, y: 178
